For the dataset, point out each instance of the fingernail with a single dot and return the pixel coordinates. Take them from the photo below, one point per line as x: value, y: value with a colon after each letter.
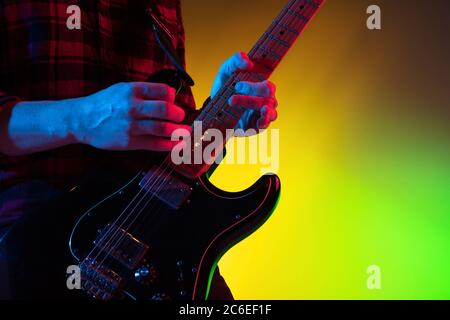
x: 264, y: 110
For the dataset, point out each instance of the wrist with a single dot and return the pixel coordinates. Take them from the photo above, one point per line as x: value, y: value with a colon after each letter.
x: 75, y: 120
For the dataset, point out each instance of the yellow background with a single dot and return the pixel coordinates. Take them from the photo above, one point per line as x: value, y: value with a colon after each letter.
x: 364, y: 149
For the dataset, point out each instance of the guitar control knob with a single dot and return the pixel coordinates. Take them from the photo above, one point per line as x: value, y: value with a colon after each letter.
x: 146, y: 275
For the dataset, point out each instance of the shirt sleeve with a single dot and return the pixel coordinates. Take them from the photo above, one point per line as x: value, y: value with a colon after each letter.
x: 7, y: 100
x: 185, y: 97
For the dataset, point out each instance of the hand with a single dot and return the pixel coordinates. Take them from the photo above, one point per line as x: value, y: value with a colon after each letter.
x: 130, y: 116
x: 257, y: 97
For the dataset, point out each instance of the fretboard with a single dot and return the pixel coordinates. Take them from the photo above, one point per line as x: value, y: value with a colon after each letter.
x: 267, y: 53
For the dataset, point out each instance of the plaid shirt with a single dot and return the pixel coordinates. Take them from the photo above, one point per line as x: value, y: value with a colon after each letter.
x: 41, y: 59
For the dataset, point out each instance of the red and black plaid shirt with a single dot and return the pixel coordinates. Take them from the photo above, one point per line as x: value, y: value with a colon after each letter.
x: 41, y: 59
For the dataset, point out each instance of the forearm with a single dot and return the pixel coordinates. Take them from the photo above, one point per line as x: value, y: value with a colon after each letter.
x: 30, y: 127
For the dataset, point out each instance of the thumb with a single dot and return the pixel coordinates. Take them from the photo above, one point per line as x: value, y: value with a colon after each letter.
x: 238, y: 62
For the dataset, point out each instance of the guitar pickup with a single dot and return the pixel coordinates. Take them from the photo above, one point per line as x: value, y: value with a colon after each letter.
x: 170, y: 190
x: 124, y: 248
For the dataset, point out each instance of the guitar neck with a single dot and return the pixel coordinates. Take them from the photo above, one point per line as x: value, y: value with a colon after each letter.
x: 275, y: 43
x: 266, y: 54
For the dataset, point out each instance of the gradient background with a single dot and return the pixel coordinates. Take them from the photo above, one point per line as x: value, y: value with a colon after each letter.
x: 365, y: 151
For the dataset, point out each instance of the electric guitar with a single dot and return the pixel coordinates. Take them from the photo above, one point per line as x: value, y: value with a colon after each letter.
x: 159, y: 234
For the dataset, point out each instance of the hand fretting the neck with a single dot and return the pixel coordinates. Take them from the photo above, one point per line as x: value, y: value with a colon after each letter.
x: 266, y: 54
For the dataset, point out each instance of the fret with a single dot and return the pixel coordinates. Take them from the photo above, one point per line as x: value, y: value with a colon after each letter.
x: 267, y: 53
x: 265, y: 66
x: 222, y: 115
x: 263, y: 69
x: 289, y: 29
x: 257, y: 77
x: 230, y: 91
x: 263, y: 38
x: 284, y: 35
x: 218, y: 124
x: 278, y: 40
x: 223, y: 99
x: 223, y: 94
x: 214, y: 116
x: 298, y: 15
x: 235, y: 117
x: 236, y: 112
x: 210, y: 114
x: 270, y: 56
x: 313, y: 4
x: 270, y: 52
x: 207, y: 119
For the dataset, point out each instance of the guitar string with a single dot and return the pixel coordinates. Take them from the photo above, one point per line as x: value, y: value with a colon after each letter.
x: 162, y: 170
x: 275, y: 25
x: 151, y: 223
x: 154, y: 193
x: 114, y: 227
x: 282, y: 20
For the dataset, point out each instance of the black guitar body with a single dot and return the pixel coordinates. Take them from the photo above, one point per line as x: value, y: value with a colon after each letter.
x: 165, y: 244
x: 170, y: 254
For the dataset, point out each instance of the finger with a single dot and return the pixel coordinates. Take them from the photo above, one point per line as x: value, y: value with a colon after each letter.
x: 159, y: 128
x: 152, y: 143
x: 154, y: 91
x: 239, y: 61
x: 267, y: 115
x: 158, y: 110
x: 255, y: 103
x: 260, y: 89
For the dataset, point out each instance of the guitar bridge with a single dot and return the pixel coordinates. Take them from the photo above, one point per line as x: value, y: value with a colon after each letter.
x: 124, y: 248
x: 99, y: 282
